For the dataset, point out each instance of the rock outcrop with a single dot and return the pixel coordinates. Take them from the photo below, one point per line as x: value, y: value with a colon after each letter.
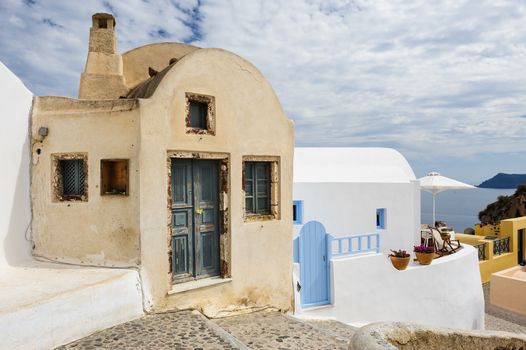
x: 506, y: 207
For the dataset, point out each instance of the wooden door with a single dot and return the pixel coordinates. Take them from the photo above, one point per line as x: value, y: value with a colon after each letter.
x: 195, y: 231
x: 314, y: 261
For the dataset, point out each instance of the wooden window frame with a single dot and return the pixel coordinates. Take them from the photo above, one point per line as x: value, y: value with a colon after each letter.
x: 274, y: 190
x: 57, y: 181
x: 103, y: 180
x: 210, y: 115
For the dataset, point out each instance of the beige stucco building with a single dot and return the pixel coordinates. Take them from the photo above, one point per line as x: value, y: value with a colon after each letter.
x: 175, y: 160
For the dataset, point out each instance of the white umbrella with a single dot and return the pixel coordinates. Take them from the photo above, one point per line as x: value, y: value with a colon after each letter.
x: 435, y: 183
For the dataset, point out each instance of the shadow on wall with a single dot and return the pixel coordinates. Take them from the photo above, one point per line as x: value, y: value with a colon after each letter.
x: 17, y: 243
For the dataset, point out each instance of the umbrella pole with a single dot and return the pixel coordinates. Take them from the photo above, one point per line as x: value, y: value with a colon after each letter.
x: 433, y: 223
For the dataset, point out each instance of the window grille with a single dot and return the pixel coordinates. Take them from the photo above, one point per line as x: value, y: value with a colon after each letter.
x: 72, y: 172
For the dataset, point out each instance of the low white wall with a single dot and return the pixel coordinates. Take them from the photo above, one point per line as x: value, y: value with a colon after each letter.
x: 366, y: 289
x: 350, y: 208
x: 69, y: 305
x: 15, y: 211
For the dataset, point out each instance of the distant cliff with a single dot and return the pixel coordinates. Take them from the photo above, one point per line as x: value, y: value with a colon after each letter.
x: 506, y: 207
x: 504, y: 181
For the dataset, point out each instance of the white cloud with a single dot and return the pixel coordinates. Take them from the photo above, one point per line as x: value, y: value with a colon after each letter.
x: 435, y: 79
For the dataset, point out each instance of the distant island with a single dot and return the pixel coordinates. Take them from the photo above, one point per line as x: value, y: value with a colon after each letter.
x: 501, y: 180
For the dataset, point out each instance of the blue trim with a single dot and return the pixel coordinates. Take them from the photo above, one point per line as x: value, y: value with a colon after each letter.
x: 380, y: 218
x: 344, y: 246
x: 299, y: 212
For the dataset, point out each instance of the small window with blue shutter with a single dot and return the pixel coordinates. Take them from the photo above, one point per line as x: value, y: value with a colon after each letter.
x: 380, y: 218
x: 297, y: 212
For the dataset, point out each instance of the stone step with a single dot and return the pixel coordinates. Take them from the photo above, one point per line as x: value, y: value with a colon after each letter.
x: 190, y: 329
x: 274, y: 330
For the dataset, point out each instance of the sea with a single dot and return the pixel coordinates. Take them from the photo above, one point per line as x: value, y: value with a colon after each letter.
x: 459, y: 208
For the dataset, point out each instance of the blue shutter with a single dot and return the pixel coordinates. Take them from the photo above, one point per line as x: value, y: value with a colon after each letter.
x: 380, y: 218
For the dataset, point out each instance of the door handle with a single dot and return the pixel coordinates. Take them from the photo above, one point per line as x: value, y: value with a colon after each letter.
x: 199, y: 211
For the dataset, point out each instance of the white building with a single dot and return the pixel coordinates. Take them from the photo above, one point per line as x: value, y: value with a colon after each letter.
x: 350, y: 197
x: 358, y: 190
x: 41, y: 303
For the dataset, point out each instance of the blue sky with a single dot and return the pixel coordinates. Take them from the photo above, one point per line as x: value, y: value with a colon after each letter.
x: 441, y: 81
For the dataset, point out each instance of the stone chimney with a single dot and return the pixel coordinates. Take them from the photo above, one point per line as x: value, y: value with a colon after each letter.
x: 102, y: 77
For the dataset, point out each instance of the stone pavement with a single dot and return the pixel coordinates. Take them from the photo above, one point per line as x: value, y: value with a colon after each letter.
x: 170, y: 330
x: 273, y: 330
x: 191, y: 330
x: 260, y: 330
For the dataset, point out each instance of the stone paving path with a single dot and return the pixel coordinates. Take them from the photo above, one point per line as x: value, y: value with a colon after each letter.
x: 259, y: 330
x: 170, y: 330
x: 273, y: 330
x: 191, y: 330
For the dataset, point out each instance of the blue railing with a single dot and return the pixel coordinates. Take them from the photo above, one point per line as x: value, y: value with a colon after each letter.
x: 355, y: 244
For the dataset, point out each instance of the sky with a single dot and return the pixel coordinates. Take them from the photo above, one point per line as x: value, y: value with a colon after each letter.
x: 443, y: 82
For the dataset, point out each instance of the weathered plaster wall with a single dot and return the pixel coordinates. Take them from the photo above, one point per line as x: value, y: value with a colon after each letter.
x: 15, y: 212
x: 366, y: 289
x: 104, y: 230
x: 350, y: 208
x: 156, y: 56
x: 249, y: 121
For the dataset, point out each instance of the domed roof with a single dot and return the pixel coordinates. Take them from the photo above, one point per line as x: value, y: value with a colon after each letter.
x: 351, y: 164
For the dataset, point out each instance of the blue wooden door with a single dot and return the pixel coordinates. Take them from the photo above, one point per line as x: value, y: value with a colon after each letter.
x: 314, y: 265
x: 195, y: 227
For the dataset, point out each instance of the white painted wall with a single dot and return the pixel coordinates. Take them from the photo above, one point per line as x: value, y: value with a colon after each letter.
x: 44, y: 305
x: 366, y: 289
x: 350, y: 208
x: 15, y: 212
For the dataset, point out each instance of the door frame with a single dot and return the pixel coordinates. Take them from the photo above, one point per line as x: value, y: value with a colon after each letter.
x: 521, y: 245
x: 223, y: 208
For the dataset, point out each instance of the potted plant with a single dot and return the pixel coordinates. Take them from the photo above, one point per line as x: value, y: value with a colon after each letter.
x: 400, y: 259
x: 424, y: 254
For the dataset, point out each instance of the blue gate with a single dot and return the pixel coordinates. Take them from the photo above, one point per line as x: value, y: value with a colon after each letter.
x: 313, y: 254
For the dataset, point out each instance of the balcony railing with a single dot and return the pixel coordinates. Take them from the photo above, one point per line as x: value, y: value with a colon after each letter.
x: 481, y: 248
x: 501, y: 246
x: 355, y: 244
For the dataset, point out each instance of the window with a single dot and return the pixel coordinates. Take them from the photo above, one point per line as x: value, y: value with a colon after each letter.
x: 70, y: 179
x: 114, y: 177
x: 257, y: 188
x: 261, y: 188
x: 380, y: 218
x: 198, y: 111
x: 200, y: 114
x: 297, y: 212
x: 103, y: 23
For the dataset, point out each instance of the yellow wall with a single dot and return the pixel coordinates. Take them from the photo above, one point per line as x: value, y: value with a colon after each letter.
x: 506, y: 228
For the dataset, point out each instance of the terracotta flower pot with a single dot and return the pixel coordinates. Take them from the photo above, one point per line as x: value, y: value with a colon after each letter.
x: 425, y: 258
x: 400, y: 263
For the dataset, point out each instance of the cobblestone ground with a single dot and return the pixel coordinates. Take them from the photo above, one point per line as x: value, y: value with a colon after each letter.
x: 499, y: 319
x: 171, y: 330
x: 336, y: 328
x: 273, y: 330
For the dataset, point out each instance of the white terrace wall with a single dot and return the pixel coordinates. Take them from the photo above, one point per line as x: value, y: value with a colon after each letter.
x: 366, y: 289
x: 15, y: 212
